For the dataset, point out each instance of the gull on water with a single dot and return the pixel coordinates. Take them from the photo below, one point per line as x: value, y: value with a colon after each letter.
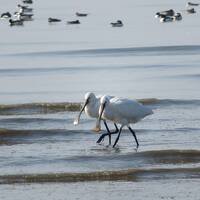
x: 192, y: 4
x: 73, y: 22
x: 27, y: 1
x: 190, y: 11
x: 5, y: 15
x: 50, y: 20
x: 117, y: 24
x: 165, y: 13
x: 18, y: 22
x: 81, y: 14
x: 24, y: 8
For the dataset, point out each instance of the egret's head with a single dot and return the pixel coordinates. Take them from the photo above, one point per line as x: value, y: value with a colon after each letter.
x: 89, y: 96
x: 104, y: 100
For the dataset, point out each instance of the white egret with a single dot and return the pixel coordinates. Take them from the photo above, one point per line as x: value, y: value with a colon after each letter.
x: 122, y: 111
x: 91, y: 108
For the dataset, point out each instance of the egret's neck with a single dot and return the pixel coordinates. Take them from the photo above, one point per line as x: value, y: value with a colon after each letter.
x: 92, y: 108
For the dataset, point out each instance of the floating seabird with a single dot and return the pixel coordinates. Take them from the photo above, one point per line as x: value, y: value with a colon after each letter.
x: 24, y: 8
x: 6, y: 15
x: 191, y: 11
x: 16, y: 22
x: 117, y: 24
x: 81, y: 14
x: 24, y: 16
x: 74, y: 22
x: 192, y: 4
x: 27, y: 1
x: 166, y: 19
x: 50, y: 19
x: 177, y: 17
x: 169, y: 12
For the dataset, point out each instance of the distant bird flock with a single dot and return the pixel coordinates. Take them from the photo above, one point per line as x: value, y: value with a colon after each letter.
x: 120, y: 111
x: 25, y: 13
x: 170, y: 15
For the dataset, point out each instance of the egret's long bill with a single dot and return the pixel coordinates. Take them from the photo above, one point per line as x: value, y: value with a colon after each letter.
x: 76, y: 121
x: 98, y: 124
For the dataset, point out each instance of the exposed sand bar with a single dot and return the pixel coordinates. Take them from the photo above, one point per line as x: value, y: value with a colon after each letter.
x: 125, y: 175
x: 33, y: 108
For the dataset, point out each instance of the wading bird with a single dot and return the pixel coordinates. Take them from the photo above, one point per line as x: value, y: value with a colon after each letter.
x: 91, y: 108
x: 122, y: 111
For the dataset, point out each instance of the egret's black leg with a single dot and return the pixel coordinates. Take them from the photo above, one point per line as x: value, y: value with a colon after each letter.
x: 134, y: 135
x: 120, y: 130
x: 104, y: 135
x: 117, y: 130
x: 108, y: 133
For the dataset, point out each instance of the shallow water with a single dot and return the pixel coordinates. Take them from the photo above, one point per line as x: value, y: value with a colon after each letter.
x: 45, y: 71
x: 170, y: 189
x: 49, y: 142
x: 58, y: 63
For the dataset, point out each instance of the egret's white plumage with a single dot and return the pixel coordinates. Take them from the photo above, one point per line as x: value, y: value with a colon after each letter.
x: 122, y: 111
x: 91, y: 108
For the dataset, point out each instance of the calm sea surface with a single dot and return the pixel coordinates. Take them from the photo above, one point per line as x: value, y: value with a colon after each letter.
x: 45, y: 70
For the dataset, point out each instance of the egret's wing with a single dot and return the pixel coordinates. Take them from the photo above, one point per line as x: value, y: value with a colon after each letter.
x: 129, y: 109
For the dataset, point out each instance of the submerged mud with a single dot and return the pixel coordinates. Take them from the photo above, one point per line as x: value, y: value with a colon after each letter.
x: 125, y: 175
x: 46, y: 108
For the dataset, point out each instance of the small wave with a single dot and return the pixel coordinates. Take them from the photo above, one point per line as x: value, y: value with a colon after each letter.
x: 38, y: 108
x: 22, y: 120
x: 46, y: 108
x: 161, y: 157
x: 137, y: 51
x: 39, y: 70
x: 174, y: 130
x: 172, y: 156
x: 187, y: 76
x: 14, y: 137
x: 148, y: 101
x: 128, y: 175
x: 10, y: 132
x: 169, y: 102
x: 21, y: 71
